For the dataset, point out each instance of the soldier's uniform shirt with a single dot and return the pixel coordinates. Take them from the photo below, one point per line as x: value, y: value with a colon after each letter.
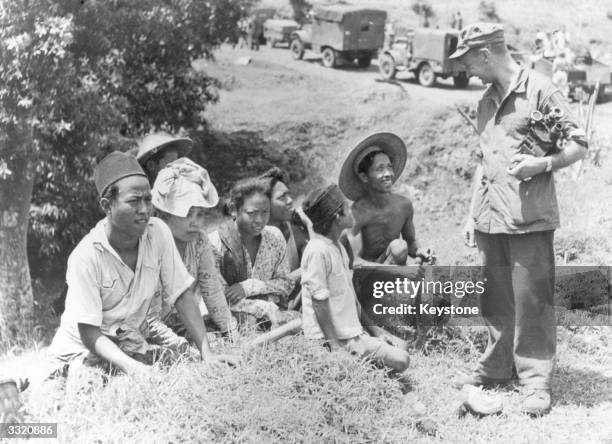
x: 103, y: 291
x: 504, y: 203
x: 515, y: 222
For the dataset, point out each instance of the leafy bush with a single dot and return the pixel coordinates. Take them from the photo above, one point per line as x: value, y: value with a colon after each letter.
x: 135, y: 76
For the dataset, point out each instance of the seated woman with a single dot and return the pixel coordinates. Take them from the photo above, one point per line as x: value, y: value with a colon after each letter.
x: 181, y: 193
x: 251, y: 257
x: 289, y: 221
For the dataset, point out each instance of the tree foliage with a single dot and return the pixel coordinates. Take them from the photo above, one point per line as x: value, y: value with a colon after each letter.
x: 77, y: 80
x: 301, y: 8
x: 135, y: 58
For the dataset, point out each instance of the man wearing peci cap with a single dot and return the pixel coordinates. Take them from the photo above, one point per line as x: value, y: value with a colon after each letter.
x: 514, y: 212
x: 157, y: 150
x: 112, y: 276
x: 383, y: 231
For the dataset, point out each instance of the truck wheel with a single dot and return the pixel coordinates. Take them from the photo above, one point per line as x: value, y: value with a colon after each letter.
x: 386, y: 67
x: 461, y: 80
x: 297, y: 49
x: 364, y: 61
x: 426, y: 75
x: 329, y: 58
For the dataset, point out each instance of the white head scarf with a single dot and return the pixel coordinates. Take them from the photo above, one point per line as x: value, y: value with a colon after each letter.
x: 183, y: 184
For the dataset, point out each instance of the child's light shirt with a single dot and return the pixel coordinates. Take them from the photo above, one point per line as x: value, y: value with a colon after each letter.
x: 326, y: 275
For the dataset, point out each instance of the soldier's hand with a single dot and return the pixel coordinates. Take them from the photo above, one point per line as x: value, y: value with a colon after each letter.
x: 525, y: 166
x: 468, y: 234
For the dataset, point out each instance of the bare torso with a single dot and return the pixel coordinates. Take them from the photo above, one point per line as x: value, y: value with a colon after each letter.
x: 380, y: 223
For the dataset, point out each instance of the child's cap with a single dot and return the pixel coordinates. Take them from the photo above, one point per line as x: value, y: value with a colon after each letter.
x: 323, y: 203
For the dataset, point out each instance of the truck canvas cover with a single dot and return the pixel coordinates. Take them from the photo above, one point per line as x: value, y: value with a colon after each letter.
x: 339, y: 13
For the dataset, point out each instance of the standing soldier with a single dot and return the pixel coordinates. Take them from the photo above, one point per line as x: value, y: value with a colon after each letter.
x: 514, y: 213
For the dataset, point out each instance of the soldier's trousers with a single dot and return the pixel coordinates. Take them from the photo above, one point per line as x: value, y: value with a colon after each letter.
x: 518, y: 306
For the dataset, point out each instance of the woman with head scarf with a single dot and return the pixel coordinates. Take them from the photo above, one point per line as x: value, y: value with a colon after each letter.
x: 181, y: 194
x: 251, y: 257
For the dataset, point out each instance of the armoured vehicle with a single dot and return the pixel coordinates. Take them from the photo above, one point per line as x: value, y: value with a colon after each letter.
x: 423, y: 52
x: 341, y: 33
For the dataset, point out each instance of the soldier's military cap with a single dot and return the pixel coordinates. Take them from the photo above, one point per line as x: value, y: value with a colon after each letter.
x: 478, y: 35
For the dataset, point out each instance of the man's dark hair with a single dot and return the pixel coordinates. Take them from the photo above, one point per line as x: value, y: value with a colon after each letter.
x: 272, y: 177
x: 368, y: 160
x: 246, y: 188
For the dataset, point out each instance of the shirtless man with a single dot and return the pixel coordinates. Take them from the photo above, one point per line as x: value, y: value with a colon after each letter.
x: 367, y: 177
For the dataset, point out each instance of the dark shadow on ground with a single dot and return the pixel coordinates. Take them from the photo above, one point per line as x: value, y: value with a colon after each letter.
x: 352, y: 67
x: 581, y: 387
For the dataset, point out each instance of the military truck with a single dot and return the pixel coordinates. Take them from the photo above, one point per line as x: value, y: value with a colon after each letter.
x: 278, y: 31
x: 341, y: 33
x: 424, y: 52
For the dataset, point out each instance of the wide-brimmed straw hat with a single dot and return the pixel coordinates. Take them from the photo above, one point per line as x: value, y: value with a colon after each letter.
x: 154, y: 143
x: 390, y: 144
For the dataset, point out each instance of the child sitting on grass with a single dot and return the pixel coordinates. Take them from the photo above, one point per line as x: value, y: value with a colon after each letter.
x: 330, y: 309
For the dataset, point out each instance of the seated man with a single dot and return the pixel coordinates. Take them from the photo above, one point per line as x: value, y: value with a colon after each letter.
x: 112, y: 277
x: 383, y: 232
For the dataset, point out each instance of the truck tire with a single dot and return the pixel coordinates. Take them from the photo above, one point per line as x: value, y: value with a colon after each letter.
x: 329, y: 58
x: 426, y: 75
x: 297, y: 49
x: 364, y: 61
x: 461, y: 80
x: 386, y: 67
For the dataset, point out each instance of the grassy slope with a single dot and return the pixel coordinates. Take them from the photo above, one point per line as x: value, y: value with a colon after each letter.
x: 296, y: 392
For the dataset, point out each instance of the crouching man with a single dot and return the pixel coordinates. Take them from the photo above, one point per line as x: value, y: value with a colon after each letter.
x: 112, y: 276
x: 383, y: 232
